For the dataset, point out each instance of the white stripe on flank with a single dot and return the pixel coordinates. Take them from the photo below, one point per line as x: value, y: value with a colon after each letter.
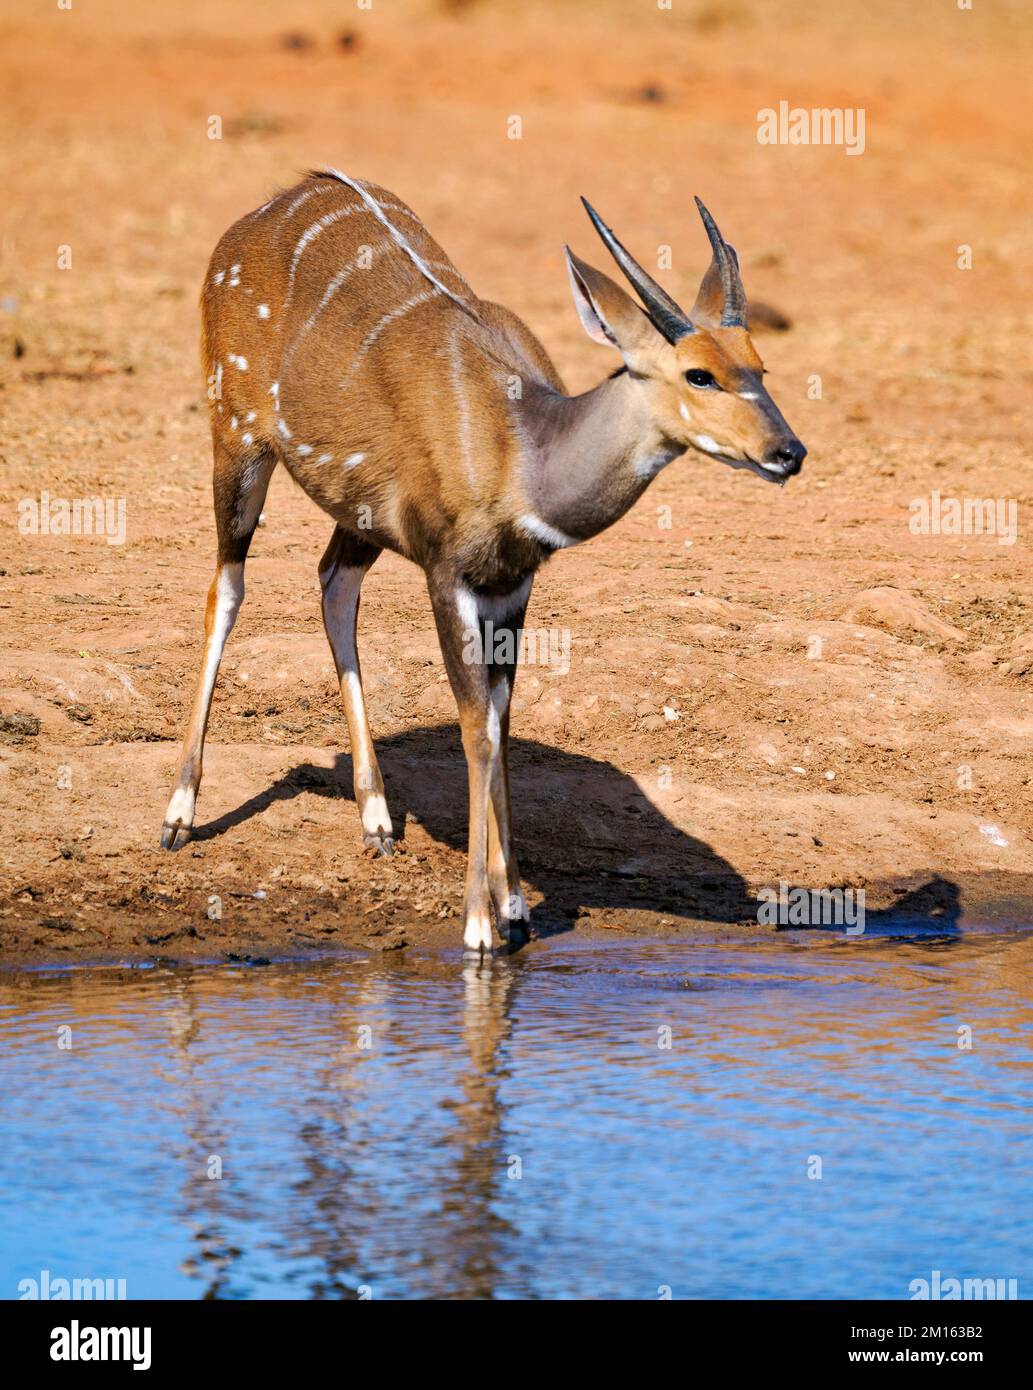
x: 375, y: 332
x: 542, y: 531
x: 328, y: 294
x: 462, y: 407
x: 417, y: 260
x: 307, y: 237
x: 303, y: 197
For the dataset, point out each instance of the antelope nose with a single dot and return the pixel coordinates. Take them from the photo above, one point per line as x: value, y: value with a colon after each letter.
x: 787, y: 457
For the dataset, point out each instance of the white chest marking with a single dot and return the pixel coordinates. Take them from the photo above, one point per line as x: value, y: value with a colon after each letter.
x: 650, y: 465
x: 542, y: 531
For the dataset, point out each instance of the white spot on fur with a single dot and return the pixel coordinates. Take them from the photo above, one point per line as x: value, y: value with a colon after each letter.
x: 684, y: 410
x: 263, y: 311
x: 325, y: 458
x: 353, y: 459
x: 281, y: 425
x: 704, y: 441
x: 304, y: 449
x: 237, y: 361
x: 246, y: 439
x: 218, y: 279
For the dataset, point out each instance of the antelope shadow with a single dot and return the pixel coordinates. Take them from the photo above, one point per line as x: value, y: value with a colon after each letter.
x: 587, y: 837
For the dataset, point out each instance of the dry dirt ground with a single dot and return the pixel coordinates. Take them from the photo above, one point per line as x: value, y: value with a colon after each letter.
x: 848, y: 703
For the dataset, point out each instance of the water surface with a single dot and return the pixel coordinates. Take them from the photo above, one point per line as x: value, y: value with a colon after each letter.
x: 415, y: 1128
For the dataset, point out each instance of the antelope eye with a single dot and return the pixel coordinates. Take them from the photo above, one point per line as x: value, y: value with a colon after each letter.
x: 700, y: 378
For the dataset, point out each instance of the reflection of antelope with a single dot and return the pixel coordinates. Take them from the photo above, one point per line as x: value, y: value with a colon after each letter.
x: 341, y: 341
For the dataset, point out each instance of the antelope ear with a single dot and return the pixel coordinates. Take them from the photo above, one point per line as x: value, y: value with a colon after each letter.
x: 608, y: 315
x: 710, y: 301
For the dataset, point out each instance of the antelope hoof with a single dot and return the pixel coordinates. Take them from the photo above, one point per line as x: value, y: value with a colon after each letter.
x: 174, y: 836
x: 477, y: 939
x: 516, y: 933
x: 380, y: 844
x: 512, y: 918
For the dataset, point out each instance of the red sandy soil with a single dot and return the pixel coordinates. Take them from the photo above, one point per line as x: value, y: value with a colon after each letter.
x: 833, y: 769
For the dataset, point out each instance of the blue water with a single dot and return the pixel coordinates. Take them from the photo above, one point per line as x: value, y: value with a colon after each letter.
x: 516, y: 1130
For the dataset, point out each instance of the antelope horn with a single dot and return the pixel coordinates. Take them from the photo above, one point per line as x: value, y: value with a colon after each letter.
x: 671, y: 320
x: 733, y: 314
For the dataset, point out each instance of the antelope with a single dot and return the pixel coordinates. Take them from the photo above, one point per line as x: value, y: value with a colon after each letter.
x: 339, y: 340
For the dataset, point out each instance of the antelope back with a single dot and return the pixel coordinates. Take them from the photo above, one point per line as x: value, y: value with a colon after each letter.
x: 346, y: 342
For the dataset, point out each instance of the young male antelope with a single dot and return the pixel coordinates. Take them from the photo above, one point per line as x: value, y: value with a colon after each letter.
x: 343, y: 343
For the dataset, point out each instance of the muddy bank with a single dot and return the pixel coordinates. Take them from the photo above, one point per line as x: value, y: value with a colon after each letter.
x: 412, y: 902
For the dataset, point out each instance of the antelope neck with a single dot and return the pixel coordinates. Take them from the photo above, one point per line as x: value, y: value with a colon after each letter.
x: 590, y: 456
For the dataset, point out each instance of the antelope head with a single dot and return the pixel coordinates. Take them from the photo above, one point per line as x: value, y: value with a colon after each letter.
x: 700, y: 373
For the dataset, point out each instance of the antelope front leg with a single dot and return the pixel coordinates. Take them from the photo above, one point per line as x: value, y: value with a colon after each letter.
x: 459, y: 617
x: 503, y: 871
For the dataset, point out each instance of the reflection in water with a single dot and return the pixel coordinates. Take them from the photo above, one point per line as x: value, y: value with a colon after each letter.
x: 414, y: 1127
